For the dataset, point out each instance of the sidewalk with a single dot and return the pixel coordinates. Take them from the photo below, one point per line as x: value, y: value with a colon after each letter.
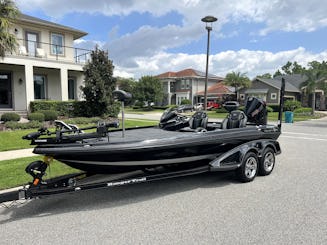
x: 8, y: 155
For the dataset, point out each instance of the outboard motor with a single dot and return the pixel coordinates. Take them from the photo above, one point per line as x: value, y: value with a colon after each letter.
x: 236, y: 118
x: 255, y: 110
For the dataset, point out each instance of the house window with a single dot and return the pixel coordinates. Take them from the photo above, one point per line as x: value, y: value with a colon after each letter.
x: 187, y: 82
x: 183, y: 84
x: 71, y: 88
x: 57, y: 44
x: 273, y: 96
x: 32, y: 42
x: 39, y: 87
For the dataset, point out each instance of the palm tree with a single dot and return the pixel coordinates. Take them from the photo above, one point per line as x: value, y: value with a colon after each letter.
x: 8, y: 13
x: 313, y: 77
x: 238, y: 80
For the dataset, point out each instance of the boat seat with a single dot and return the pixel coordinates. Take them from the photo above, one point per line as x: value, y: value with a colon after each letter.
x: 236, y: 119
x: 197, y: 123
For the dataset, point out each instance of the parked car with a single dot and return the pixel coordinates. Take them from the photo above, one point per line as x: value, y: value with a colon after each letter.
x: 199, y: 106
x: 212, y: 105
x: 185, y: 108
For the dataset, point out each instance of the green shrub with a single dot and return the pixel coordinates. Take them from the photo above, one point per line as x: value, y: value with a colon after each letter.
x: 139, y: 104
x: 113, y: 110
x: 269, y: 109
x: 274, y: 107
x: 70, y: 108
x: 303, y: 111
x: 49, y: 115
x: 291, y: 105
x: 36, y: 116
x: 28, y: 125
x: 186, y: 102
x: 83, y: 120
x: 161, y: 107
x: 63, y: 108
x: 10, y: 116
x: 221, y: 110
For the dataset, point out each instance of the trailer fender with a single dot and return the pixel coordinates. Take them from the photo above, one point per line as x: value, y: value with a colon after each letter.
x: 233, y: 158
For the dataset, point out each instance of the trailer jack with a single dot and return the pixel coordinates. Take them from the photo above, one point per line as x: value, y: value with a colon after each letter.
x: 37, y: 169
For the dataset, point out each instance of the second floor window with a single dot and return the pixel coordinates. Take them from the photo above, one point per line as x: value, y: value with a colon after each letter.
x: 57, y: 44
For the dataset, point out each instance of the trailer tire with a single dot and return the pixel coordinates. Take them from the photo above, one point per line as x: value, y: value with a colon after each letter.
x: 249, y: 167
x: 267, y: 162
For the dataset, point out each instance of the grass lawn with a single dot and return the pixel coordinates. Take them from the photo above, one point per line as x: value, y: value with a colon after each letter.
x: 12, y: 140
x: 13, y: 173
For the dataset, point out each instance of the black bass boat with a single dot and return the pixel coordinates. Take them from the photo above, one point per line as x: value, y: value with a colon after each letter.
x: 178, y: 140
x: 178, y: 146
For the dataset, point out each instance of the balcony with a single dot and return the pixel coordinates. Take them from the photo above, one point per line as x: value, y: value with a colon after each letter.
x: 51, y: 52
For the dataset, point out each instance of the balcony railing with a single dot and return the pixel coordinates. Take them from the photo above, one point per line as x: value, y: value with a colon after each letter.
x: 48, y: 51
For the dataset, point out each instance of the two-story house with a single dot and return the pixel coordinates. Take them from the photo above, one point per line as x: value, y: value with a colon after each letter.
x: 44, y: 66
x: 185, y: 84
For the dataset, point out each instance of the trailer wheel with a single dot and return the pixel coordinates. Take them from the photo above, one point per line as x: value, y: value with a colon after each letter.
x: 267, y: 162
x: 249, y: 167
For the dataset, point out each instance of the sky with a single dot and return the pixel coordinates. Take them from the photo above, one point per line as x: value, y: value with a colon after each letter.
x: 150, y: 37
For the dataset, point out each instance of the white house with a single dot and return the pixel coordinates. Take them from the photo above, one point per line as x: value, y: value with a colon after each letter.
x: 45, y: 66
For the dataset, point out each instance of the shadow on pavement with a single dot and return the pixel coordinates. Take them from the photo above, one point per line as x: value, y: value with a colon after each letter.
x: 113, y: 197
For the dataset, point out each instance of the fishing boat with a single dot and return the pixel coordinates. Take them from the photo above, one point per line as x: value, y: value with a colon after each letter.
x: 178, y: 146
x: 178, y: 140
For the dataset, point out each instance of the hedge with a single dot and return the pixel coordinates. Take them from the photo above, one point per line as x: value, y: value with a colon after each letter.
x: 63, y: 108
x: 70, y: 108
x: 49, y: 115
x: 28, y: 125
x: 10, y: 116
x: 36, y: 116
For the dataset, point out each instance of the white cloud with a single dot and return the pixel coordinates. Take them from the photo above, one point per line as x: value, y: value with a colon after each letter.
x: 252, y: 62
x: 144, y: 51
x: 290, y: 15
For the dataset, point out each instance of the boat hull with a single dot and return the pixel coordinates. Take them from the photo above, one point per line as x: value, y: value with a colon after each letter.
x: 147, y: 148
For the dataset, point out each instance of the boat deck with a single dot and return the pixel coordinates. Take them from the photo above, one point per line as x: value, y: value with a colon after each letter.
x: 141, y: 134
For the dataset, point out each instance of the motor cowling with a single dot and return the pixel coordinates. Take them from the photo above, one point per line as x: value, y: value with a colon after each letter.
x: 255, y: 110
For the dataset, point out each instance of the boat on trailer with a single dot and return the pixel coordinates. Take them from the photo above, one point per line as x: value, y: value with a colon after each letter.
x: 178, y: 146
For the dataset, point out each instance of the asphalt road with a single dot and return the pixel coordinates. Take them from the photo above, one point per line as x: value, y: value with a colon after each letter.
x: 287, y: 207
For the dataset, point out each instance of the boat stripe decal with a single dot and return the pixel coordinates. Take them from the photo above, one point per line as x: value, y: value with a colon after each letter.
x: 145, y: 163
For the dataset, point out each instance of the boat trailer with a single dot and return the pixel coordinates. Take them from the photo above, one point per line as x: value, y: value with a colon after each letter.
x: 248, y: 160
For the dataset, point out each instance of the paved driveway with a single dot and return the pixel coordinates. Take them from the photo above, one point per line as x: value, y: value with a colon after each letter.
x: 287, y: 207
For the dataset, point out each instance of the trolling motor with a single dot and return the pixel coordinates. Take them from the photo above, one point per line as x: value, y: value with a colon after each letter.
x: 122, y: 96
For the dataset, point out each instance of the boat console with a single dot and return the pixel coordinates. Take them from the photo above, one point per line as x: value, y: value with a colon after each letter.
x: 254, y: 113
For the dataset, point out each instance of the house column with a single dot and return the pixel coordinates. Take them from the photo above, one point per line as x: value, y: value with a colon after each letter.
x: 64, y: 84
x: 29, y: 84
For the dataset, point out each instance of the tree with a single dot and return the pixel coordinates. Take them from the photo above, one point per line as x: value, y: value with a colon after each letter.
x: 266, y: 75
x: 8, y: 13
x: 149, y: 89
x: 99, y: 84
x: 277, y: 73
x: 128, y: 85
x: 238, y: 80
x: 314, y: 75
x: 290, y: 68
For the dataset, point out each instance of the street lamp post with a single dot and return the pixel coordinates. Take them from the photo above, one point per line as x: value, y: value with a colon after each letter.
x: 208, y: 20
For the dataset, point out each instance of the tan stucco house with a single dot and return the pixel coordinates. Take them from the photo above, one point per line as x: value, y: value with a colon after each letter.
x: 45, y: 65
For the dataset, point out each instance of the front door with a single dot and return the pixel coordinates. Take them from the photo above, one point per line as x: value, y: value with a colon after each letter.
x: 5, y: 90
